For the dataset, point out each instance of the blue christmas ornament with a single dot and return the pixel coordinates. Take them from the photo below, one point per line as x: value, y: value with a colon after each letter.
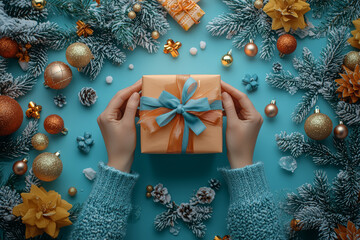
x: 85, y: 142
x: 250, y: 82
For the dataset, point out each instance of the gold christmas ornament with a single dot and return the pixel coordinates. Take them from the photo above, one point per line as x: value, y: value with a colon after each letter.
x: 155, y: 35
x: 148, y: 195
x: 318, y: 126
x: 251, y: 49
x: 352, y: 59
x: 47, y: 166
x: 57, y: 75
x: 72, y: 191
x: 20, y: 167
x: 11, y: 115
x: 172, y: 48
x: 287, y: 14
x: 258, y: 4
x: 271, y: 110
x: 149, y: 188
x: 83, y: 29
x: 131, y: 15
x: 33, y: 110
x: 54, y: 124
x: 349, y: 85
x: 341, y: 131
x: 78, y: 55
x: 38, y: 4
x: 40, y: 141
x: 295, y: 225
x: 227, y: 59
x: 355, y: 40
x: 137, y: 7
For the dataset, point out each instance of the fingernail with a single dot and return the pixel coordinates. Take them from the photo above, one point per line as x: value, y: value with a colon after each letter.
x: 225, y: 95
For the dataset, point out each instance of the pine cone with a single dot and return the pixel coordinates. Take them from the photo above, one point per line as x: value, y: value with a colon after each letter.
x: 214, y: 184
x: 205, y: 195
x: 349, y: 85
x: 87, y: 96
x: 161, y: 194
x: 186, y: 212
x: 60, y: 100
x: 348, y: 233
x: 277, y: 67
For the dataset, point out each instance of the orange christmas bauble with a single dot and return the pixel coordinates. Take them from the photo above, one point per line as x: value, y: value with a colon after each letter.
x: 54, y: 124
x: 8, y: 47
x: 11, y: 115
x: 57, y: 75
x: 286, y: 44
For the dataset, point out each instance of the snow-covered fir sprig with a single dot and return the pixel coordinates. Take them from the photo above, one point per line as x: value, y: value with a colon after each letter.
x: 16, y: 147
x: 322, y: 206
x: 193, y: 213
x: 335, y: 14
x: 315, y: 77
x: 113, y: 29
x: 348, y: 113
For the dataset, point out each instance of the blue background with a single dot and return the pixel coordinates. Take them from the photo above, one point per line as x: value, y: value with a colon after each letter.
x: 181, y: 174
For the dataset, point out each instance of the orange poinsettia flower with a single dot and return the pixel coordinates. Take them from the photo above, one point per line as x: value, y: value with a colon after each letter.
x: 355, y: 39
x: 348, y: 233
x: 43, y: 211
x: 349, y: 85
x: 287, y: 14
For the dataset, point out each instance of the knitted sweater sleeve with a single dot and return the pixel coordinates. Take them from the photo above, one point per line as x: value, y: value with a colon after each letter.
x: 105, y: 213
x: 252, y: 213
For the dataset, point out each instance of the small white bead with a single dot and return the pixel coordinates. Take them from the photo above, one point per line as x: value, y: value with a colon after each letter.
x: 202, y: 45
x: 193, y: 51
x: 109, y: 79
x: 131, y: 66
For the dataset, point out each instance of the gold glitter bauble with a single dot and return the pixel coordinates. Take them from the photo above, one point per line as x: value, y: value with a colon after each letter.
x: 57, y: 75
x: 286, y: 44
x: 251, y: 49
x: 258, y: 4
x: 351, y: 60
x: 72, y: 191
x: 54, y: 124
x: 318, y: 126
x: 47, y: 166
x: 40, y: 141
x: 132, y: 15
x: 155, y: 35
x: 20, y: 167
x: 38, y: 4
x: 11, y: 115
x: 78, y: 55
x: 137, y: 7
x: 227, y: 59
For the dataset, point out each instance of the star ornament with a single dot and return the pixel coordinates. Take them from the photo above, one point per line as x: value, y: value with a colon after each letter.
x: 287, y: 14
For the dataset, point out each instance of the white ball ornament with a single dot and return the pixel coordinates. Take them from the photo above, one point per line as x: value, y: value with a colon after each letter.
x: 131, y: 66
x: 202, y: 45
x: 193, y: 51
x: 109, y: 79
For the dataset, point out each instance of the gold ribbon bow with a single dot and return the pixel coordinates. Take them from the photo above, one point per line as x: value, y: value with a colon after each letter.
x: 226, y: 237
x: 23, y: 53
x: 83, y: 29
x: 172, y: 47
x: 33, y: 110
x: 182, y: 6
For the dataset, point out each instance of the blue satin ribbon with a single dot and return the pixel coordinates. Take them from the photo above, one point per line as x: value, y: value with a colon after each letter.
x: 181, y: 106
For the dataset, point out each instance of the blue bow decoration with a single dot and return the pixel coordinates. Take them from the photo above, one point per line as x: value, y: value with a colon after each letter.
x: 181, y: 106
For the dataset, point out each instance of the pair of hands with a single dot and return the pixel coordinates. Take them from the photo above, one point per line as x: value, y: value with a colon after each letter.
x: 117, y: 125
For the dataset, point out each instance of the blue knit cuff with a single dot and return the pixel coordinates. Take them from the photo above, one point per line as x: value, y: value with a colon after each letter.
x: 112, y: 187
x: 246, y: 183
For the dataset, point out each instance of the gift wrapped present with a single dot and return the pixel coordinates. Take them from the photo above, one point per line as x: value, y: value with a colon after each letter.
x: 181, y: 113
x: 185, y: 12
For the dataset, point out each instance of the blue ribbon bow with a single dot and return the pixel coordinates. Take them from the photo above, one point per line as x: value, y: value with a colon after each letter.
x: 182, y: 107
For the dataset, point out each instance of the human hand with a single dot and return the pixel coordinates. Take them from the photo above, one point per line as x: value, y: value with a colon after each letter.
x: 243, y: 126
x: 117, y: 125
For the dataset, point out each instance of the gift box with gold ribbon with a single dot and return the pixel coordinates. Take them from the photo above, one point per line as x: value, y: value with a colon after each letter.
x: 181, y: 114
x: 185, y: 12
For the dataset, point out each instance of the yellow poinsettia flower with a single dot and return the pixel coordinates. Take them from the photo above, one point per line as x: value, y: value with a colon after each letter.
x: 355, y: 40
x: 287, y: 14
x: 43, y: 211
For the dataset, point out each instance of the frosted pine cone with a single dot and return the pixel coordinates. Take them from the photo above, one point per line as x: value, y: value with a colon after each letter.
x: 277, y: 67
x: 214, y: 184
x: 60, y: 100
x: 186, y: 212
x: 87, y: 96
x: 205, y: 195
x: 160, y: 194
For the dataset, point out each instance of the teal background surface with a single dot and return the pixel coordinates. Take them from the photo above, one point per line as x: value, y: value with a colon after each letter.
x: 181, y: 174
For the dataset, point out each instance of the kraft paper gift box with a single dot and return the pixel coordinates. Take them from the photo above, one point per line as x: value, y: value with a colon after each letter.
x: 185, y: 12
x: 181, y: 113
